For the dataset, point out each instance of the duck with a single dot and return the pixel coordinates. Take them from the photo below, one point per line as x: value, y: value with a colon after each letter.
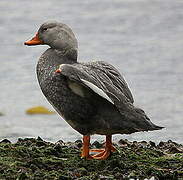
x: 92, y: 97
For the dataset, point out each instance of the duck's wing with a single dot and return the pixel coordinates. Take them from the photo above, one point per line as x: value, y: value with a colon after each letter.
x: 109, y: 74
x: 106, y: 81
x: 100, y: 77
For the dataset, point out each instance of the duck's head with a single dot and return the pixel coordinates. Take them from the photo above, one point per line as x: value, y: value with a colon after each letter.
x: 57, y: 35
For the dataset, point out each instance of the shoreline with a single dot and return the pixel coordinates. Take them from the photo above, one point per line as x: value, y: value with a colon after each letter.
x: 32, y: 158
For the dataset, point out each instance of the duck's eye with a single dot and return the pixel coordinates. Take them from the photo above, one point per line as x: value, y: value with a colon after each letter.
x: 45, y: 29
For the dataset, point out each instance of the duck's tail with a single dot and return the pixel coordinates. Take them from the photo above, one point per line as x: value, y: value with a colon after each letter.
x: 144, y: 121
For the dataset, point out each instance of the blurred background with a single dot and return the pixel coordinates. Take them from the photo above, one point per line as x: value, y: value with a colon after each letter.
x: 142, y: 39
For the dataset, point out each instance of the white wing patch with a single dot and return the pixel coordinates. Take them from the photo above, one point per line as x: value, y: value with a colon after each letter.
x: 61, y: 65
x: 76, y: 88
x: 97, y: 90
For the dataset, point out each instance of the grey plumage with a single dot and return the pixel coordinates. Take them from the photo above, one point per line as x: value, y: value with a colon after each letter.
x: 92, y: 97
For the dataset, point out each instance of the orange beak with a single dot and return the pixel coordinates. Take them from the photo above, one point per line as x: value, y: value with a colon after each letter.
x: 34, y: 41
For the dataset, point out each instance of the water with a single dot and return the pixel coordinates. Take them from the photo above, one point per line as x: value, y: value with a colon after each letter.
x: 143, y: 39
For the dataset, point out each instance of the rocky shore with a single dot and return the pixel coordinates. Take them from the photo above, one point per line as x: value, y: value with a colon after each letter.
x: 31, y: 158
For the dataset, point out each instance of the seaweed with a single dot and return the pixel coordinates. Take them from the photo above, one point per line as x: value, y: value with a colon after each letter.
x: 32, y: 158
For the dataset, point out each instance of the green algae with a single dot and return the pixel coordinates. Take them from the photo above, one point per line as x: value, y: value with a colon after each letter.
x: 37, y: 159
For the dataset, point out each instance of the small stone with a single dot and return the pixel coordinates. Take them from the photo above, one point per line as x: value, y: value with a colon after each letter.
x: 58, y: 148
x: 40, y: 143
x: 169, y: 141
x: 175, y: 150
x: 79, y: 143
x: 143, y: 144
x: 122, y: 142
x: 96, y: 144
x: 152, y: 144
x: 5, y: 141
x: 20, y: 141
x: 134, y: 144
x: 39, y: 139
x: 60, y: 142
x: 161, y: 144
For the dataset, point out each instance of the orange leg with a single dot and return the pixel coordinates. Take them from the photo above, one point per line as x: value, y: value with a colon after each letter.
x: 107, y: 151
x: 85, y: 149
x: 96, y: 150
x: 101, y: 153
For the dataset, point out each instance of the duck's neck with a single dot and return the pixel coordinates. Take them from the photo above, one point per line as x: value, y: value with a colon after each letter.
x: 55, y: 57
x: 51, y: 59
x: 70, y: 55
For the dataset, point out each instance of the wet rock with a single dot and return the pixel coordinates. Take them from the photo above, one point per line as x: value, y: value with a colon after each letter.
x: 39, y: 139
x: 97, y: 145
x: 78, y: 143
x: 5, y: 141
x: 58, y: 148
x: 134, y: 144
x: 60, y: 142
x: 143, y: 144
x: 41, y: 143
x: 123, y: 142
x: 152, y: 144
x: 175, y: 150
x: 161, y: 144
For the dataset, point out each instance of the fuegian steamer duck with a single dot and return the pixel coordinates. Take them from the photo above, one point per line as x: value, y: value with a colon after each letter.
x: 92, y: 97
